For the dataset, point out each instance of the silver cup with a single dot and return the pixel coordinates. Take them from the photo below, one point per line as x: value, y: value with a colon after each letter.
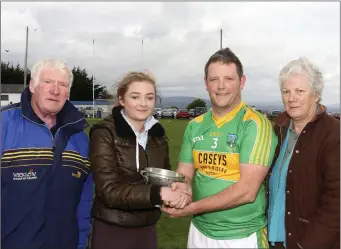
x: 161, y: 177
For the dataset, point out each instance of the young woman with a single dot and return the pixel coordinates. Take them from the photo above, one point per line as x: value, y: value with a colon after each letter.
x: 125, y: 209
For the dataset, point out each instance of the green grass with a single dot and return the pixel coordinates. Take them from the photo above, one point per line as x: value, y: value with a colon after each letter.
x: 172, y: 233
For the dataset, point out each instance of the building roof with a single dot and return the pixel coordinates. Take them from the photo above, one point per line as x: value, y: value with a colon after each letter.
x: 12, y: 88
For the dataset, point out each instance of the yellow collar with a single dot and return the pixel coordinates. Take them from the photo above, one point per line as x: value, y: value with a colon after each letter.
x: 228, y: 117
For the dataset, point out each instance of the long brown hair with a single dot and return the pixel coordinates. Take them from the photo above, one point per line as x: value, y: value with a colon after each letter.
x: 123, y: 85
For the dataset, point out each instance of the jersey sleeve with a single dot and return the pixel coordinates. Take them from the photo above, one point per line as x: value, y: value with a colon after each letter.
x: 259, y: 142
x: 186, y: 147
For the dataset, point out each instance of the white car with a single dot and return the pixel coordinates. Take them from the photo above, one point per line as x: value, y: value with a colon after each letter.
x: 157, y: 113
x: 167, y: 113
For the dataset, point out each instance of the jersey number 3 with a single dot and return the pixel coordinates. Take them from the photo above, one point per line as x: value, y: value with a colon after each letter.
x: 215, y: 143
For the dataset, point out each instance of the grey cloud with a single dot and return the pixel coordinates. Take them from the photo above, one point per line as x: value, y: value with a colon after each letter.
x: 178, y: 40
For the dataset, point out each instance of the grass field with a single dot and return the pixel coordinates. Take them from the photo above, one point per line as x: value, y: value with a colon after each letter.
x: 172, y: 233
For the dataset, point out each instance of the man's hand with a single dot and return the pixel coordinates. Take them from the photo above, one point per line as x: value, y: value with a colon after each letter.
x: 176, y: 198
x: 177, y: 213
x: 187, y: 170
x: 185, y: 189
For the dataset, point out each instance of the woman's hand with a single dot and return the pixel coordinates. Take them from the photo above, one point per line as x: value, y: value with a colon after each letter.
x: 175, y: 198
x: 184, y: 188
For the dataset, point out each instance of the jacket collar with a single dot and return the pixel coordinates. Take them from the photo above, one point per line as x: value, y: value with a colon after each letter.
x: 283, y: 120
x: 69, y: 115
x: 123, y: 129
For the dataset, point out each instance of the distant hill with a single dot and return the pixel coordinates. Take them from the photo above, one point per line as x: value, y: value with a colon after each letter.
x: 182, y: 102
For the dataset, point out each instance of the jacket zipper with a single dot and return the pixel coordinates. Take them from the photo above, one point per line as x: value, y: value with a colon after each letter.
x: 53, y: 139
x: 146, y: 155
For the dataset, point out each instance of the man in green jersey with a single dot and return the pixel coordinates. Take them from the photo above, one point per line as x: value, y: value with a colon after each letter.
x: 225, y: 156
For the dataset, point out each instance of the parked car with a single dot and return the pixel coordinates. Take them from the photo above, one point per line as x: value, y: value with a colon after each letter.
x: 175, y: 111
x: 157, y: 113
x: 88, y: 112
x: 191, y: 112
x: 199, y: 111
x: 183, y: 113
x: 82, y: 110
x: 167, y: 113
x: 272, y: 115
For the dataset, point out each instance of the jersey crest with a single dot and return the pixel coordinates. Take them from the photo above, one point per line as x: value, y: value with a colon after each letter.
x: 231, y: 140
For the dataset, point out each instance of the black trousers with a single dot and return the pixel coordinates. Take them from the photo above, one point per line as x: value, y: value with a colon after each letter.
x: 108, y: 236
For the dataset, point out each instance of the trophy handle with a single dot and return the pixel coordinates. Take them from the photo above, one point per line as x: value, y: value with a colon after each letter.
x: 144, y: 175
x: 170, y: 183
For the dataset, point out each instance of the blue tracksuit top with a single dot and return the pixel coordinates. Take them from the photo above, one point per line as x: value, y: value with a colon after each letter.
x: 46, y: 180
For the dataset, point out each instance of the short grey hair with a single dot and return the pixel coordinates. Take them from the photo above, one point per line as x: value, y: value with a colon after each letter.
x: 303, y: 66
x: 50, y: 63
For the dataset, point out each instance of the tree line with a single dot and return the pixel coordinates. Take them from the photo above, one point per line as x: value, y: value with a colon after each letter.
x: 196, y: 103
x: 81, y: 87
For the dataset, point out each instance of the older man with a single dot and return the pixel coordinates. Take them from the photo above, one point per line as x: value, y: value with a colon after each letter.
x: 46, y: 182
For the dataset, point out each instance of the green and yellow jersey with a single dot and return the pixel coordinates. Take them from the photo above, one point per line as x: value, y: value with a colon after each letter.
x: 216, y: 147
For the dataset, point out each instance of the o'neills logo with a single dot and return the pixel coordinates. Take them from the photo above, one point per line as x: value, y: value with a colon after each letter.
x: 31, y: 175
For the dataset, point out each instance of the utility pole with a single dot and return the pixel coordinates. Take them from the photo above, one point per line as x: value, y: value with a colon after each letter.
x: 142, y: 55
x: 221, y: 39
x: 25, y: 63
x: 93, y: 78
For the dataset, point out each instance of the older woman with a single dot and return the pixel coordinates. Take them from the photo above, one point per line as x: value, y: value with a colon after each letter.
x: 304, y: 185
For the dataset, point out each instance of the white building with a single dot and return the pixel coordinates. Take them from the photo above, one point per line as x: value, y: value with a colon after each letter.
x: 103, y: 105
x: 11, y: 93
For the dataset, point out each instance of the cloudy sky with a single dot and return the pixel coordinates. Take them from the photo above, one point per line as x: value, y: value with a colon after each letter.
x: 178, y: 40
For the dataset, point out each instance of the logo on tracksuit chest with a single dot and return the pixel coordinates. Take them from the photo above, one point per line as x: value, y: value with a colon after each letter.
x: 77, y: 175
x: 23, y: 176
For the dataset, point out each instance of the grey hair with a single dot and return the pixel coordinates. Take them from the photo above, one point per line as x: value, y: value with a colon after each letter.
x: 303, y: 66
x: 49, y: 63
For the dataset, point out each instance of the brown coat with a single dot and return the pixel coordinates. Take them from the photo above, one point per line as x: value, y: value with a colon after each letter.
x: 312, y: 218
x: 122, y: 197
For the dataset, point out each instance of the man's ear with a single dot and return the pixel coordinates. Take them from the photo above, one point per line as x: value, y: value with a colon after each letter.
x: 31, y: 86
x: 242, y: 82
x: 205, y: 79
